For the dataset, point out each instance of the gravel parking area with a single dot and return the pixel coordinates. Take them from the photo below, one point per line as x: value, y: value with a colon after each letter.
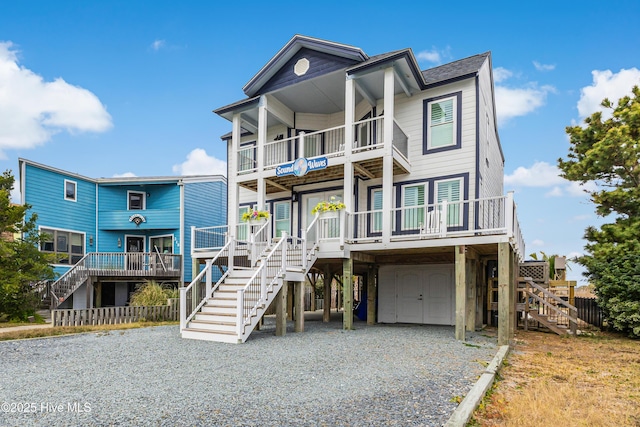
x: 382, y: 375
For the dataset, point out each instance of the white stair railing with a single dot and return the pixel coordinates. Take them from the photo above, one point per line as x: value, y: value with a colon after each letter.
x: 190, y: 292
x: 259, y: 240
x: 254, y: 294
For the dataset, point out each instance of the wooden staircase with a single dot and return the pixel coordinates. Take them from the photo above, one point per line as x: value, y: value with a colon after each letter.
x: 540, y: 306
x: 233, y: 306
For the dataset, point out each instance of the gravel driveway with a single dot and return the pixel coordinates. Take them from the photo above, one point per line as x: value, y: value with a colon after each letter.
x: 382, y: 375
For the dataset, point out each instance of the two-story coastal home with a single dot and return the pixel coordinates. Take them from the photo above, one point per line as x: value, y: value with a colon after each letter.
x: 110, y: 234
x: 411, y: 160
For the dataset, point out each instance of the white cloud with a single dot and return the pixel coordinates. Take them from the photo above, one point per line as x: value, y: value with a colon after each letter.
x: 125, y: 175
x: 15, y: 195
x: 33, y: 110
x: 514, y: 102
x: 541, y: 174
x: 429, y: 56
x: 555, y: 192
x: 157, y: 45
x: 606, y: 84
x: 578, y: 189
x: 501, y: 74
x: 544, y: 67
x: 200, y: 163
x: 537, y: 242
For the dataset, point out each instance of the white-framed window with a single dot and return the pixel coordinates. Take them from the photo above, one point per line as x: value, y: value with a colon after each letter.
x: 70, y: 190
x: 413, y: 203
x: 68, y: 246
x: 442, y: 123
x: 451, y: 191
x: 243, y: 227
x: 136, y: 200
x: 282, y: 218
x: 162, y: 244
x: 376, y: 206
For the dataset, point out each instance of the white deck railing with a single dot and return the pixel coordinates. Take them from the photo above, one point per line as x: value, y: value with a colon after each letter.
x: 115, y: 264
x: 209, y: 238
x: 368, y: 134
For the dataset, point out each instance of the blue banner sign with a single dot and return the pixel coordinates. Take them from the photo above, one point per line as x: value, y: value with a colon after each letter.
x: 301, y: 166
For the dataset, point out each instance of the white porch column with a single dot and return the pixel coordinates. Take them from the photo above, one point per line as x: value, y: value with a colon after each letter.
x: 387, y: 161
x: 232, y: 165
x: 349, y: 113
x: 262, y: 139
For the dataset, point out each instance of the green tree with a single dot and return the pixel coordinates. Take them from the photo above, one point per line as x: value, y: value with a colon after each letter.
x: 607, y: 152
x: 21, y: 263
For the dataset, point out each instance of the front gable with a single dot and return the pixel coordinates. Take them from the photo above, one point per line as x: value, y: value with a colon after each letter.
x: 323, y: 56
x: 306, y: 64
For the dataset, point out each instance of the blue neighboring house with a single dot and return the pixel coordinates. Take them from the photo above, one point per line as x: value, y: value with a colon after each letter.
x: 110, y: 234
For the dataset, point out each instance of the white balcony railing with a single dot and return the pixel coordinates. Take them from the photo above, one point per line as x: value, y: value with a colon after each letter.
x: 209, y: 238
x: 478, y: 217
x: 483, y: 216
x: 368, y: 134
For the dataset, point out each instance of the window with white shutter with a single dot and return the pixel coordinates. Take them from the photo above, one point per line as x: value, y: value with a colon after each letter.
x: 282, y: 218
x: 376, y: 201
x: 442, y: 127
x: 413, y: 217
x: 451, y: 192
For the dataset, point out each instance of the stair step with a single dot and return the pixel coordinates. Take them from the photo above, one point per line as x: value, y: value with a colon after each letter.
x: 216, y: 317
x: 219, y: 310
x: 219, y: 327
x: 205, y: 335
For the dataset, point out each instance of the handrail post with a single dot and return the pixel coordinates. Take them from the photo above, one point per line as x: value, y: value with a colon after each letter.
x: 183, y: 308
x: 232, y: 251
x: 342, y: 223
x: 283, y: 251
x: 263, y: 284
x: 193, y: 239
x: 208, y: 278
x: 252, y: 244
x: 303, y: 234
x: 509, y: 212
x: 443, y: 219
x: 239, y: 314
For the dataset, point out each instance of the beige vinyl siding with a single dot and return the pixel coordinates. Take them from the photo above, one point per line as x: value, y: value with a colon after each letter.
x: 493, y: 173
x: 409, y: 114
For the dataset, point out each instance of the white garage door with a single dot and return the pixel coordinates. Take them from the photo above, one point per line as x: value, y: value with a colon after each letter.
x: 416, y: 294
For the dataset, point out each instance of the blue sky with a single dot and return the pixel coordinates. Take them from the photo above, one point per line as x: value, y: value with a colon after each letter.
x: 127, y: 87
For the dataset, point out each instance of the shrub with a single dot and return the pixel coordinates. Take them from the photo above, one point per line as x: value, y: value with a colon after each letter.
x: 152, y: 293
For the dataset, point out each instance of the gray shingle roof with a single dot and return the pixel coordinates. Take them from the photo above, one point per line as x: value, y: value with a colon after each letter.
x: 455, y: 69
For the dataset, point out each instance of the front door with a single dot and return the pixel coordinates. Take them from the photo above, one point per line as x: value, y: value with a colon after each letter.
x: 309, y: 201
x: 134, y: 247
x: 410, y: 302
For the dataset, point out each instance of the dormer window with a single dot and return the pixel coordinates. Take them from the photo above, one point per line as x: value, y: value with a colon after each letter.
x: 70, y: 188
x: 136, y: 200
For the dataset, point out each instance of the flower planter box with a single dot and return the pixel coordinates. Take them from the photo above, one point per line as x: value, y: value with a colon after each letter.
x: 329, y: 214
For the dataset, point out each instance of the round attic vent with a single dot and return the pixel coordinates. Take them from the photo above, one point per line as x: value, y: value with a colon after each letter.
x: 301, y: 67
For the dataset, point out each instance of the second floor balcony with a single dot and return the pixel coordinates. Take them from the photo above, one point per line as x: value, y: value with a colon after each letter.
x: 366, y: 149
